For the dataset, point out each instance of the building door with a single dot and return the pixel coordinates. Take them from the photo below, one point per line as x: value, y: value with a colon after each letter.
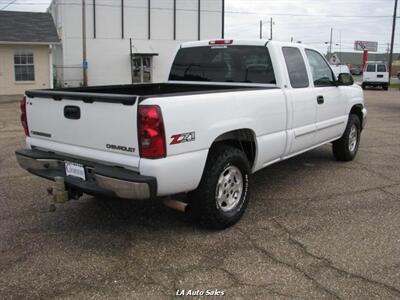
x: 142, y: 69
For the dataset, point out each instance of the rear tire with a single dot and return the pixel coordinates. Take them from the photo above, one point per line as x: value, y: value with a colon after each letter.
x: 345, y: 148
x: 385, y: 87
x: 222, y: 196
x: 363, y: 86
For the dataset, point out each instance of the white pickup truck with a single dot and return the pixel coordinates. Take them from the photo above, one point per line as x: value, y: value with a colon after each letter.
x: 229, y: 109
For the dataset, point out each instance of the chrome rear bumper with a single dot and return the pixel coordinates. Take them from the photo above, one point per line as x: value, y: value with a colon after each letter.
x: 100, y: 179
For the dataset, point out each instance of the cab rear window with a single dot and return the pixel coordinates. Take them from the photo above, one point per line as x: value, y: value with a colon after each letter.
x: 248, y: 64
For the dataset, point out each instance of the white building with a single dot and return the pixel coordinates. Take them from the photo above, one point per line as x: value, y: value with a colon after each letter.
x: 155, y: 27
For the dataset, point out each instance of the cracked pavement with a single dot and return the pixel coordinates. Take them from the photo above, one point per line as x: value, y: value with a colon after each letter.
x: 315, y: 229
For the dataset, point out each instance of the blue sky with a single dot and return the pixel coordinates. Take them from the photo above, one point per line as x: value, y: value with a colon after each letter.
x: 308, y: 21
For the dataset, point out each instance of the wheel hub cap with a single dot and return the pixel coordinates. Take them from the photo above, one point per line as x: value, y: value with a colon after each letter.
x: 229, y: 188
x: 353, y: 138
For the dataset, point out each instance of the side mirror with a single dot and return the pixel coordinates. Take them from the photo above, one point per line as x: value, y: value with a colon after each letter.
x: 345, y: 79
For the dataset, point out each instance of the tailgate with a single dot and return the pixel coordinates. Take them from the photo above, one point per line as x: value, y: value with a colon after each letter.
x: 98, y: 130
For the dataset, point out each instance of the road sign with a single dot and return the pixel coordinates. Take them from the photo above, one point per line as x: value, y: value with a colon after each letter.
x: 85, y: 65
x: 365, y: 45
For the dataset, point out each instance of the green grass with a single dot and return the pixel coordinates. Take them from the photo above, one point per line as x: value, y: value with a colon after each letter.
x: 395, y: 85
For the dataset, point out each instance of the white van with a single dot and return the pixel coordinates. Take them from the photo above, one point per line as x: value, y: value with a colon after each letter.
x: 375, y: 74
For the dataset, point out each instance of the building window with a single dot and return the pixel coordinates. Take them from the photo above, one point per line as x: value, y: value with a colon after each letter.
x: 24, y: 68
x: 142, y: 69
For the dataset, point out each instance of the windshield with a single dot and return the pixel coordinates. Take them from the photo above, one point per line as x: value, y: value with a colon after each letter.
x: 249, y: 64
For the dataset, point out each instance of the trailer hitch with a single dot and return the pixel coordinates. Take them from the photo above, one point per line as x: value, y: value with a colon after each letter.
x: 60, y: 193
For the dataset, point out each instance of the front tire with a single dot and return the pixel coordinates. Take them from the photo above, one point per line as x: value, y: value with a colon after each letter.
x: 223, y: 194
x: 345, y: 148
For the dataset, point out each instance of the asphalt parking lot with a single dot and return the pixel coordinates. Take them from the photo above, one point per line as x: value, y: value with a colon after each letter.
x: 314, y: 229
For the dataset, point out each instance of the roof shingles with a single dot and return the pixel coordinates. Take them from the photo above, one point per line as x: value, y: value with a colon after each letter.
x: 27, y: 27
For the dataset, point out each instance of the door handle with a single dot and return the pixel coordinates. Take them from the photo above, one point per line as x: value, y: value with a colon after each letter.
x: 320, y: 99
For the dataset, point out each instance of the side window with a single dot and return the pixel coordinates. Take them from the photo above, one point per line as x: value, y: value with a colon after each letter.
x: 321, y: 72
x: 371, y: 68
x: 381, y: 68
x: 296, y: 67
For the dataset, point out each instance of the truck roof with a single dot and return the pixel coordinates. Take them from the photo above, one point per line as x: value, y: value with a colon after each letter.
x: 260, y: 42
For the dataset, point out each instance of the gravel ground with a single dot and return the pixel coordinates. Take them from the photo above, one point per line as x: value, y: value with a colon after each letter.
x: 314, y: 229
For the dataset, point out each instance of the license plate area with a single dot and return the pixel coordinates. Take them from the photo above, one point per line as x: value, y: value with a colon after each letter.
x: 75, y: 170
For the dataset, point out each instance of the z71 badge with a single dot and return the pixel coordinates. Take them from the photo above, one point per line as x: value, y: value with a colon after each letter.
x: 182, y: 138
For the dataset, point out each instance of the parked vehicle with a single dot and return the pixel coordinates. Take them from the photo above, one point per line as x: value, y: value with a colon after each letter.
x: 375, y: 74
x: 398, y: 75
x: 229, y: 109
x: 356, y: 71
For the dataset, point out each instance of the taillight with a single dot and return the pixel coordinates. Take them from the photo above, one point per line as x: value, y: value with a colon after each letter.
x: 151, y: 132
x: 24, y: 119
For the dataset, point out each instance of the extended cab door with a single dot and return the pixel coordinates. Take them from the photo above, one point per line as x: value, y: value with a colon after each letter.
x: 331, y: 99
x: 302, y: 105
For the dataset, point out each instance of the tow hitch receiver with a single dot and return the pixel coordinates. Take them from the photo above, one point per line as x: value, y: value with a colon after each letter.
x: 60, y: 194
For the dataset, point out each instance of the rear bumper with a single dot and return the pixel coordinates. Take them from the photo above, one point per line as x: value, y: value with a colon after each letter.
x: 375, y: 83
x: 100, y: 179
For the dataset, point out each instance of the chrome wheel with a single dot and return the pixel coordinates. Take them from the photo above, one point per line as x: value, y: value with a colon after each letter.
x: 229, y: 188
x: 353, y: 137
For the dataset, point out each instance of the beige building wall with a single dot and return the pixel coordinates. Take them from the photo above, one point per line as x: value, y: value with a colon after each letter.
x: 8, y: 84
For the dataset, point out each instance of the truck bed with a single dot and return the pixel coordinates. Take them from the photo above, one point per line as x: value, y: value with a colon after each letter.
x: 128, y: 94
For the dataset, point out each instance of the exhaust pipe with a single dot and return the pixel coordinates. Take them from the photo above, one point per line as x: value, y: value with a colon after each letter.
x: 175, y: 204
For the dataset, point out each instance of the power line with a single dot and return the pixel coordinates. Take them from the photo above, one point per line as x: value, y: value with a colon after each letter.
x: 207, y: 10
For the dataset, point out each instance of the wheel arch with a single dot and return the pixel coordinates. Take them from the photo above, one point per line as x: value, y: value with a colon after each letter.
x: 357, y: 109
x: 243, y: 139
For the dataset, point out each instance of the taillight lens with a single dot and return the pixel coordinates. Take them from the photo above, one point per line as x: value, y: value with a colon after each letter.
x: 24, y: 118
x: 151, y: 132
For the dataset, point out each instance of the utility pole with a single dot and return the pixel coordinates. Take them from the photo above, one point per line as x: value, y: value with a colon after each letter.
x: 330, y: 45
x: 261, y: 25
x: 340, y: 45
x: 387, y: 51
x: 131, y: 58
x: 270, y: 22
x: 392, y: 40
x: 84, y: 61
